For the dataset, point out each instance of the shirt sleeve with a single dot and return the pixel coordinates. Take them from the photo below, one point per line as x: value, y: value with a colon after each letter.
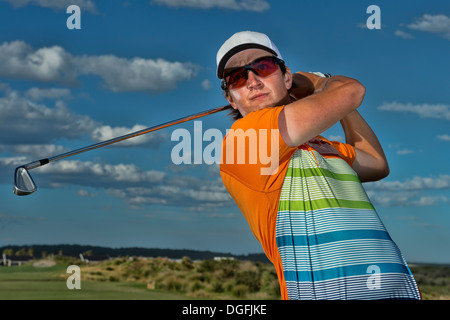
x: 264, y: 173
x: 346, y: 151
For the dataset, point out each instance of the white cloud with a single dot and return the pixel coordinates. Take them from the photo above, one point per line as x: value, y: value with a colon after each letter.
x: 27, y: 122
x: 417, y: 191
x: 415, y: 183
x: 403, y: 152
x: 336, y: 138
x: 195, y: 194
x: 30, y: 128
x: 34, y: 150
x: 403, y: 34
x: 58, y: 5
x: 19, y: 60
x: 437, y: 24
x: 49, y: 64
x: 128, y: 182
x: 85, y: 193
x: 439, y: 111
x: 444, y: 137
x: 97, y: 174
x: 152, y: 139
x: 12, y: 161
x: 405, y: 199
x: 37, y: 94
x: 206, y: 84
x: 137, y: 74
x: 238, y: 5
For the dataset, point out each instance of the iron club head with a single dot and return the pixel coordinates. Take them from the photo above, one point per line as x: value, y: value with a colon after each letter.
x: 23, y: 183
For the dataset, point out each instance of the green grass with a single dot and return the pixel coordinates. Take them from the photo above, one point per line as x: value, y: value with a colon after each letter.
x: 30, y: 283
x: 126, y: 279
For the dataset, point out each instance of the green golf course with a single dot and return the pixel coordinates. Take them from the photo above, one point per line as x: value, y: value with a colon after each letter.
x: 165, y: 279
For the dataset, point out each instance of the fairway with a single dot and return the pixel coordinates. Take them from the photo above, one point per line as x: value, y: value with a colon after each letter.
x: 31, y: 283
x: 123, y: 279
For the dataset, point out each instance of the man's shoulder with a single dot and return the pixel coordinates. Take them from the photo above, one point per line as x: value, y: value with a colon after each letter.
x: 259, y: 118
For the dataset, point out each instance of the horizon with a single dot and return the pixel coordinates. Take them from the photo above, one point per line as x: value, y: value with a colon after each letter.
x: 410, y: 263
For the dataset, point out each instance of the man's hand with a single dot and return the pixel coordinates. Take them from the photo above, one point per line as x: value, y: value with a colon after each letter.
x: 332, y: 99
x: 305, y: 84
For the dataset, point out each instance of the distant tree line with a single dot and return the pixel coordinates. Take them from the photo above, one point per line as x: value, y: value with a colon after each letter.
x: 73, y: 250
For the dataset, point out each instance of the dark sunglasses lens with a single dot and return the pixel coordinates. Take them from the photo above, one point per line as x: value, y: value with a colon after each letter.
x: 238, y: 78
x: 262, y: 68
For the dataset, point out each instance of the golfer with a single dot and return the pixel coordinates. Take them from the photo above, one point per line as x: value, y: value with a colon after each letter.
x: 310, y: 213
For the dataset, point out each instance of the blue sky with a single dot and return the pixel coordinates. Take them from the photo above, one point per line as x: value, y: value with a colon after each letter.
x: 135, y: 64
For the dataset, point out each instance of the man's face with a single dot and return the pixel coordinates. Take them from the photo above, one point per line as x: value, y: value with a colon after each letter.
x: 258, y: 92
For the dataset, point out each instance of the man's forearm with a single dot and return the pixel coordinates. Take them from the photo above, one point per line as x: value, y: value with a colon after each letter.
x: 371, y: 161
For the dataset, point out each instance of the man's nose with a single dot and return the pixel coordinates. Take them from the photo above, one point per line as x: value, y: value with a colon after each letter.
x: 253, y: 80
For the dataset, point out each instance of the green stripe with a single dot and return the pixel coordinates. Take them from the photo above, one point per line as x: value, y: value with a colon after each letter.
x: 319, y: 172
x: 322, y: 204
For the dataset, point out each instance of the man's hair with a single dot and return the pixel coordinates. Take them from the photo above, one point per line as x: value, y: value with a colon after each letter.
x: 235, y: 114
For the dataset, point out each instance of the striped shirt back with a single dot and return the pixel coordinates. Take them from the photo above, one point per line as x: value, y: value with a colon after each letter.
x: 331, y: 240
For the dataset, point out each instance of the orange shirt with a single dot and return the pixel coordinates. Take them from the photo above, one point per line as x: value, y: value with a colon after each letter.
x: 255, y: 192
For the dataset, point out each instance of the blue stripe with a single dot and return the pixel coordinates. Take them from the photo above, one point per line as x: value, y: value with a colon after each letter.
x: 339, y: 272
x: 331, y: 237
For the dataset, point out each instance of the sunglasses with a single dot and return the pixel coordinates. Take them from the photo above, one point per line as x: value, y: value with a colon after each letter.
x: 238, y: 77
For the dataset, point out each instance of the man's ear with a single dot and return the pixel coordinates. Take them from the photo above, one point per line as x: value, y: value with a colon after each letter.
x: 288, y: 78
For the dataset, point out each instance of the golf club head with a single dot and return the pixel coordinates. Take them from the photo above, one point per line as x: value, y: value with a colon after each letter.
x: 23, y: 183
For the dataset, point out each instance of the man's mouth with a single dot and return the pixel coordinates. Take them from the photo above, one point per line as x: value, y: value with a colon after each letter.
x: 258, y: 96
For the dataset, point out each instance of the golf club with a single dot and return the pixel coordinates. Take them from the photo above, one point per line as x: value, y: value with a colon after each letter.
x: 24, y: 184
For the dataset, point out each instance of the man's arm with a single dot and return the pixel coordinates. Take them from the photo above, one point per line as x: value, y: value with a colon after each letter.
x: 333, y: 98
x: 370, y: 163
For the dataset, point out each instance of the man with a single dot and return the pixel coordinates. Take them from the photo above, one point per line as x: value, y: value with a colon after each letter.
x: 310, y: 212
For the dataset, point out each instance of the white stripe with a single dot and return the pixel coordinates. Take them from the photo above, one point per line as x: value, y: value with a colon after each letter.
x: 326, y: 220
x: 315, y: 188
x: 391, y: 286
x: 339, y: 253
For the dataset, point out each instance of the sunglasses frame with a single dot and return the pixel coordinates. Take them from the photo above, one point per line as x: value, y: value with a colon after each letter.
x: 247, y: 68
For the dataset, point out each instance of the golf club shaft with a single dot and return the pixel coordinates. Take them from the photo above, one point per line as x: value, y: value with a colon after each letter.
x: 42, y: 162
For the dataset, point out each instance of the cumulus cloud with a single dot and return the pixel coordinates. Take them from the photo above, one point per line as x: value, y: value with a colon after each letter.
x: 85, y: 193
x: 403, y: 34
x: 136, y: 74
x: 206, y: 84
x: 18, y: 60
x: 93, y: 174
x: 416, y: 191
x: 37, y: 94
x: 194, y: 193
x: 439, y: 111
x: 131, y: 184
x: 415, y: 183
x: 27, y: 122
x: 34, y: 150
x: 238, y: 5
x: 406, y: 199
x: 31, y: 128
x: 153, y: 139
x: 444, y: 137
x: 437, y: 24
x: 57, y: 5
